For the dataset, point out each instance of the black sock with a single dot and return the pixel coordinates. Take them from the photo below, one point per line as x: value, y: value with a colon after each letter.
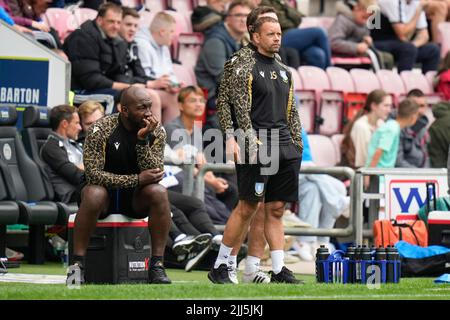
x: 156, y: 260
x: 80, y: 259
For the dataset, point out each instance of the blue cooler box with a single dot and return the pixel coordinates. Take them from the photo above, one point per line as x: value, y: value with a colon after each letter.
x: 439, y: 228
x: 118, y: 252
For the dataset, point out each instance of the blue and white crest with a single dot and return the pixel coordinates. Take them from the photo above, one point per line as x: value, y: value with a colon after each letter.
x: 284, y: 75
x: 259, y: 188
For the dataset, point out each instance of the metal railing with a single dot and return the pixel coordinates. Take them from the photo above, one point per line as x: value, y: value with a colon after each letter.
x: 374, y: 196
x: 350, y: 230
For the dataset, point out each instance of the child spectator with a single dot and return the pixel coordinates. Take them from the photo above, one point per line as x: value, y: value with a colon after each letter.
x: 358, y: 132
x: 383, y: 146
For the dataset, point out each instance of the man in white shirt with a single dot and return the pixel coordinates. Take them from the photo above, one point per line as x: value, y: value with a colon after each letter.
x: 153, y: 50
x: 404, y: 33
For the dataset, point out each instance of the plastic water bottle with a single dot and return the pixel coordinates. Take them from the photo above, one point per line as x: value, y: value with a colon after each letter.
x: 380, y: 257
x: 392, y: 271
x: 322, y: 255
x: 366, y: 261
x: 351, y: 264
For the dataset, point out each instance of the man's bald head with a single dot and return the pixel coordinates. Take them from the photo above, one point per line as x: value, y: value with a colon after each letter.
x: 134, y: 96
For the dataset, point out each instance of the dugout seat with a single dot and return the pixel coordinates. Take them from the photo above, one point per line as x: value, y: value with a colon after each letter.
x: 25, y: 186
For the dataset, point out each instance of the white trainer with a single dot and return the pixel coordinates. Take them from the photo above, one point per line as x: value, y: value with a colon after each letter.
x: 256, y: 277
x: 232, y: 274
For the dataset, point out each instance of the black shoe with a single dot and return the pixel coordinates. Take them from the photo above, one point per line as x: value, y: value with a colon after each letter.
x: 157, y: 275
x: 285, y: 276
x: 195, y: 257
x: 219, y: 275
x: 75, y: 275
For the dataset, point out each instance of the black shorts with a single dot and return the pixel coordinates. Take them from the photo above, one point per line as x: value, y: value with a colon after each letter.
x: 120, y: 202
x: 281, y: 186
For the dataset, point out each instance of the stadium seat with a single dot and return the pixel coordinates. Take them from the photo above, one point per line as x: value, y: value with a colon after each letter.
x: 180, y: 5
x: 83, y: 14
x: 430, y: 75
x: 320, y: 150
x: 351, y: 62
x: 183, y: 25
x: 189, y: 47
x: 9, y: 213
x: 391, y: 82
x: 131, y: 3
x: 146, y: 17
x: 416, y: 80
x: 341, y: 80
x: 330, y: 102
x: 444, y: 28
x: 36, y: 128
x: 365, y: 81
x: 61, y: 20
x: 184, y: 74
x: 156, y: 5
x: 24, y: 184
x: 337, y: 141
x: 305, y: 101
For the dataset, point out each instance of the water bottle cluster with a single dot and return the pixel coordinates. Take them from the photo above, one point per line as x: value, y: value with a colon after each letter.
x: 358, y: 265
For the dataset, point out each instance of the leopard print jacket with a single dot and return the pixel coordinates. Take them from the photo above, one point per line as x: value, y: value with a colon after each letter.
x: 233, y: 92
x: 148, y: 156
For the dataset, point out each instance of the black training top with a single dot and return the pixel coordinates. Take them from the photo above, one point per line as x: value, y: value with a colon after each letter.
x: 270, y: 98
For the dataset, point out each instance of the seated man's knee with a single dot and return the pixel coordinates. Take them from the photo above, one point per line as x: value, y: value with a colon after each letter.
x: 93, y: 194
x: 154, y: 193
x: 408, y: 49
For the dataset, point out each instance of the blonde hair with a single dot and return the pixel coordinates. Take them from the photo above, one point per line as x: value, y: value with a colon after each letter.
x: 89, y: 107
x: 161, y: 20
x: 367, y: 3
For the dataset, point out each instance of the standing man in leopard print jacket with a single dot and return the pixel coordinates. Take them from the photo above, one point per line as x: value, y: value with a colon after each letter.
x: 263, y: 107
x: 123, y: 160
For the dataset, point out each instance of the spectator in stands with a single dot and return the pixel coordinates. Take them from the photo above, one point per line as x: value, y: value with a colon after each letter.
x: 192, y: 105
x: 26, y: 15
x: 219, y: 45
x: 63, y: 156
x: 350, y: 36
x: 4, y: 15
x: 383, y: 146
x: 442, y: 79
x: 412, y: 149
x: 134, y: 72
x: 358, y: 132
x: 440, y: 135
x: 123, y: 155
x: 311, y: 43
x: 89, y: 112
x: 97, y: 54
x: 322, y: 199
x: 153, y: 50
x: 204, y: 18
x: 403, y: 32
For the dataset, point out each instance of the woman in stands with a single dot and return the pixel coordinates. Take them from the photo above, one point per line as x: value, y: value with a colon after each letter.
x: 358, y: 132
x: 442, y: 80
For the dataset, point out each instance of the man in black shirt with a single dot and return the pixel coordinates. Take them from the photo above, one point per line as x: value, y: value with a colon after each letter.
x: 123, y: 159
x: 265, y: 104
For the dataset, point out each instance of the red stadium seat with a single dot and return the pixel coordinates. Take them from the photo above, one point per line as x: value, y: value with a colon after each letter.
x: 337, y: 141
x: 180, y: 5
x: 155, y: 5
x: 392, y: 83
x: 61, y: 20
x: 365, y: 81
x: 320, y: 150
x: 189, y: 47
x: 330, y: 101
x: 83, y: 14
x: 184, y: 74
